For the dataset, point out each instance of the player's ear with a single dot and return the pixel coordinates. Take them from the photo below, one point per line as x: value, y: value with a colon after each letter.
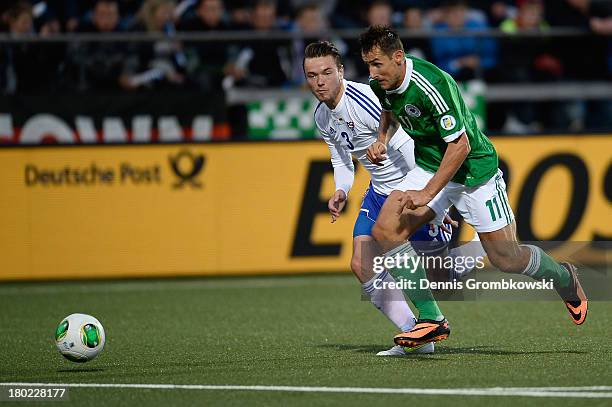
x: 398, y: 56
x: 341, y: 72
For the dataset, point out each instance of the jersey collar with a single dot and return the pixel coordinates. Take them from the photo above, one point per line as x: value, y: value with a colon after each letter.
x: 340, y: 106
x: 406, y: 80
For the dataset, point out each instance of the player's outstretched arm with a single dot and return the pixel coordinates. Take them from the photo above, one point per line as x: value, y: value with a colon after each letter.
x: 456, y: 152
x: 344, y: 175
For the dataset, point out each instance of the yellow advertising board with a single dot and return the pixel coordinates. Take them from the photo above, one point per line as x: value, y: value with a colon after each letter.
x: 245, y: 208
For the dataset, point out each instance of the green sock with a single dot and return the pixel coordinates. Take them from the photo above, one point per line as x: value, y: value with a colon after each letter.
x: 543, y: 267
x: 422, y: 299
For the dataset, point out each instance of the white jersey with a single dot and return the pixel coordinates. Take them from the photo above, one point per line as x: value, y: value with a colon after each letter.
x: 351, y: 128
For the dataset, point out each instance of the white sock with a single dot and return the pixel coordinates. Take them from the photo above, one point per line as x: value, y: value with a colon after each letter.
x: 470, y: 250
x: 392, y: 303
x: 534, y: 261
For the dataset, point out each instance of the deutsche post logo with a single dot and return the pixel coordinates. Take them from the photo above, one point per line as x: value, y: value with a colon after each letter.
x: 187, y: 167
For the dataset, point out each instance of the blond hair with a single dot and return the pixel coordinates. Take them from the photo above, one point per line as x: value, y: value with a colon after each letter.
x: 147, y: 11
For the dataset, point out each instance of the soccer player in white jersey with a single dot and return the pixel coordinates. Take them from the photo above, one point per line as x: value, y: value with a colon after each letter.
x: 348, y: 118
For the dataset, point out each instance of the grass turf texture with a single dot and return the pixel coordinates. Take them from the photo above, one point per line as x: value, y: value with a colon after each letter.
x: 291, y: 331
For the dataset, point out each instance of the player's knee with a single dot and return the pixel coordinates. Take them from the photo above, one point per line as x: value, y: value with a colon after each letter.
x: 380, y: 233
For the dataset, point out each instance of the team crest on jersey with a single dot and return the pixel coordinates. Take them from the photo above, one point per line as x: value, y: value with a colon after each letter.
x: 448, y: 122
x: 351, y: 125
x: 332, y: 131
x: 412, y: 110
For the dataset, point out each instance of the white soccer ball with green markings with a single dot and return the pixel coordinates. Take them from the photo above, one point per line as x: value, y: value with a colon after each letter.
x: 80, y: 337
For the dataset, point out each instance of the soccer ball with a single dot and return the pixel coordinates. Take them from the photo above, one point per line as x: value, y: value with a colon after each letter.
x: 79, y: 337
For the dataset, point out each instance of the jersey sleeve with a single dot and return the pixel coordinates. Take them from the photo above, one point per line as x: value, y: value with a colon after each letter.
x: 344, y: 170
x: 442, y: 99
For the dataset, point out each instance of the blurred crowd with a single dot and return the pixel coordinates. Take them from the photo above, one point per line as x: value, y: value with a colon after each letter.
x: 218, y: 65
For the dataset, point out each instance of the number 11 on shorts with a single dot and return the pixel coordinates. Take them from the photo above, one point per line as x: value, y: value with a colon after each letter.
x: 493, y: 203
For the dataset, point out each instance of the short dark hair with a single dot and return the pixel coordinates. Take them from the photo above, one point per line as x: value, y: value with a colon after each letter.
x: 382, y: 37
x: 322, y: 49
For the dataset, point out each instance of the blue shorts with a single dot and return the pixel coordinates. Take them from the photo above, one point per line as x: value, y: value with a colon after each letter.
x: 430, y: 238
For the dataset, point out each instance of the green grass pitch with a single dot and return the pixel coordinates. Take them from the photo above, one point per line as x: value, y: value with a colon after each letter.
x: 292, y: 331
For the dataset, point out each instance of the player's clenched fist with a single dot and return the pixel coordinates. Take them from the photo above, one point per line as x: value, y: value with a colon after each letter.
x: 336, y: 204
x: 377, y: 152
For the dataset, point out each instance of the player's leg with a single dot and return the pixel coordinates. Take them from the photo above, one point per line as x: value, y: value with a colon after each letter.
x: 390, y: 302
x: 432, y: 241
x: 392, y: 230
x: 393, y: 227
x: 505, y: 253
x: 486, y: 208
x: 472, y: 250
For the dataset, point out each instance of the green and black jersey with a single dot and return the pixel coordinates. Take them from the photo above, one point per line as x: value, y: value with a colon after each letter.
x: 430, y: 109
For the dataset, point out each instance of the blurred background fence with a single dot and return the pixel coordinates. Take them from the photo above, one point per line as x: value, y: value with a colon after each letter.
x: 526, y: 66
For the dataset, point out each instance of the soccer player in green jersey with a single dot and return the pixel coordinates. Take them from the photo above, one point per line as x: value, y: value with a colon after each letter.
x: 456, y: 165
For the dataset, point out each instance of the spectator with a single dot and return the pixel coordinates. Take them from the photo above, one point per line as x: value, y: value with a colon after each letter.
x: 208, y: 16
x: 260, y: 63
x: 576, y: 13
x: 309, y: 22
x: 50, y: 16
x: 529, y: 18
x: 379, y: 13
x: 104, y: 19
x: 496, y: 11
x: 325, y: 7
x: 46, y: 15
x: 240, y: 14
x: 413, y: 19
x: 345, y: 15
x: 98, y: 65
x: 463, y: 57
x: 161, y: 63
x: 528, y: 62
x: 207, y: 61
x: 26, y: 67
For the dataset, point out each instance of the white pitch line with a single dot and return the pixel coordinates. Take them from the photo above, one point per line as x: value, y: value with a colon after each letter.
x: 555, y: 392
x: 576, y: 388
